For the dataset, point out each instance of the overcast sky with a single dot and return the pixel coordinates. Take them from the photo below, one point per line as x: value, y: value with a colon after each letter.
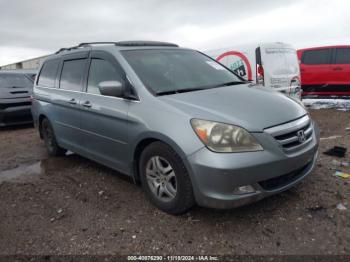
x: 30, y: 28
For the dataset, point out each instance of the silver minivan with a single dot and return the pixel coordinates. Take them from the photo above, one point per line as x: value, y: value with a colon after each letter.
x: 174, y: 119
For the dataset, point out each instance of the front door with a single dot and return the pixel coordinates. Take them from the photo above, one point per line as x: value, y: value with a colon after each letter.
x: 104, y: 118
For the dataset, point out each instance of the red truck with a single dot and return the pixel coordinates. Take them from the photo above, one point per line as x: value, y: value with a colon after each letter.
x: 325, y: 71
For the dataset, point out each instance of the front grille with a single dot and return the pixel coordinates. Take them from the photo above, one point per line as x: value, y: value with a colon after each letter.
x: 281, y: 181
x: 293, y: 135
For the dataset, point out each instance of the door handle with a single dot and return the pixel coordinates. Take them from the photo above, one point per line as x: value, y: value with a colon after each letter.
x: 72, y: 101
x: 337, y: 68
x: 87, y: 104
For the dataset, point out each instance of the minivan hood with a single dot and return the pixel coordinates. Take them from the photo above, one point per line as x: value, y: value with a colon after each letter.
x: 252, y: 108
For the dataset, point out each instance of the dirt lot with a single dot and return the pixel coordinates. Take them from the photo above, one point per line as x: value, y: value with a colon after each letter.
x: 71, y: 205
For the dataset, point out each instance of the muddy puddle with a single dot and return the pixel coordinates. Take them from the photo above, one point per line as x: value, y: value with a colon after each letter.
x: 50, y: 166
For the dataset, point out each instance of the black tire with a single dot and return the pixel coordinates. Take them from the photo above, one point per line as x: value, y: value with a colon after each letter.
x: 53, y: 149
x: 184, y: 198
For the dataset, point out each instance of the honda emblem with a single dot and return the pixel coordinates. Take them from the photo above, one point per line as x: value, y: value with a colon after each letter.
x: 301, y: 136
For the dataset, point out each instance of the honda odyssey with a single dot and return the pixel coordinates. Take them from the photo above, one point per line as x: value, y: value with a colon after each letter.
x: 190, y: 130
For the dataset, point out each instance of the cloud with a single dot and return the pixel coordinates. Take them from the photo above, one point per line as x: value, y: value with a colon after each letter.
x: 29, y: 28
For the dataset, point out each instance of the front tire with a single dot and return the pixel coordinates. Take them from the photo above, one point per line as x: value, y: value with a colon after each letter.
x: 53, y: 149
x: 165, y: 179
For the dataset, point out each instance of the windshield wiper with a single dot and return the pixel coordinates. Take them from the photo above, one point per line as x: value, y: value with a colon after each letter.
x: 177, y: 91
x: 232, y: 83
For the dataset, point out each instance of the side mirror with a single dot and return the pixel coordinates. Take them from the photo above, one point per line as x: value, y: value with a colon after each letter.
x: 111, y: 88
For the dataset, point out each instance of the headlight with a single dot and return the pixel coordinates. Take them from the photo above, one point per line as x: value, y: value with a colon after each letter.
x: 220, y: 137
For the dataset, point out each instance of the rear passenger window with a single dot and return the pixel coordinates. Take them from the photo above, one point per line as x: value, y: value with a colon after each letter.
x: 342, y: 56
x: 101, y: 70
x: 72, y: 74
x: 316, y: 57
x: 48, y: 73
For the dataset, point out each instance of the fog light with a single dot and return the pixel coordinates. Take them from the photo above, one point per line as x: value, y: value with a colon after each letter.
x: 243, y: 190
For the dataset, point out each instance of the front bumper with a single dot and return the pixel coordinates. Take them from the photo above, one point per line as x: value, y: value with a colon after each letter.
x: 215, y: 176
x: 15, y: 113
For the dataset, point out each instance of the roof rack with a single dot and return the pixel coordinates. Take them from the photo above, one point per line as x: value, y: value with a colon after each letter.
x: 95, y: 43
x: 121, y: 43
x: 144, y: 43
x: 67, y: 49
x: 130, y: 43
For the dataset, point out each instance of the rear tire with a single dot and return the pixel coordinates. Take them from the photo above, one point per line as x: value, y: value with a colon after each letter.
x: 53, y: 149
x: 165, y: 180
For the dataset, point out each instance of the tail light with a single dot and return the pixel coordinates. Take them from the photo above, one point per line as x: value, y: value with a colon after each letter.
x: 260, y: 74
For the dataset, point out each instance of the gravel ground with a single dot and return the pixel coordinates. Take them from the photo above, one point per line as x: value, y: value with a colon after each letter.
x: 71, y: 205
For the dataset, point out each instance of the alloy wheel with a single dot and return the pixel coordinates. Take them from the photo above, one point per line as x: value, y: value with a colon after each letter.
x: 161, y: 178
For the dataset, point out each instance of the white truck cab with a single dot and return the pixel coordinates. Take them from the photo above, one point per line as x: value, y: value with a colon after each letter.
x: 273, y: 65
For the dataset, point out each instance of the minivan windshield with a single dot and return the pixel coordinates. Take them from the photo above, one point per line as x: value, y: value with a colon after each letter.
x: 14, y: 80
x: 168, y: 71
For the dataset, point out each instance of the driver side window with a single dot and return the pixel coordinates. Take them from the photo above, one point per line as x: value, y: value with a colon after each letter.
x: 100, y: 71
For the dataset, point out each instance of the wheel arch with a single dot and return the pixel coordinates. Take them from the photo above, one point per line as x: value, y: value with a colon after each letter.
x: 145, y: 141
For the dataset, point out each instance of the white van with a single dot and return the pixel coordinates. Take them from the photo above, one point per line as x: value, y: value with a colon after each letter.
x: 273, y: 65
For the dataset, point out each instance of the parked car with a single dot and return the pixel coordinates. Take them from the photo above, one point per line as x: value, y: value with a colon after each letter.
x: 273, y: 65
x: 15, y: 90
x: 173, y: 118
x: 325, y: 71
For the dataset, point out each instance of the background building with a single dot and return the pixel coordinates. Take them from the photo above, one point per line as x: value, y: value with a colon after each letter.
x: 33, y: 63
